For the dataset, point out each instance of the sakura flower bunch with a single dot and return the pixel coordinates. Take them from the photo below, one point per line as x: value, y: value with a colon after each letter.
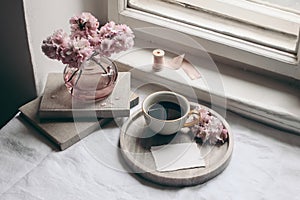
x: 208, y: 128
x: 87, y: 37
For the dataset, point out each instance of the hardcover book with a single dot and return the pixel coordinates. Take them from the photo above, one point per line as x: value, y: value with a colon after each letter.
x: 57, y: 103
x: 64, y: 133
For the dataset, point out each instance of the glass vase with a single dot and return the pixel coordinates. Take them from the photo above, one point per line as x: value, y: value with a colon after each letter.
x: 94, y: 80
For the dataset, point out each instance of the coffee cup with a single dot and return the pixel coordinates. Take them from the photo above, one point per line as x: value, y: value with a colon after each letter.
x: 165, y: 112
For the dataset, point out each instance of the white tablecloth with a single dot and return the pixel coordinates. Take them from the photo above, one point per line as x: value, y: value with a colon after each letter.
x: 265, y: 165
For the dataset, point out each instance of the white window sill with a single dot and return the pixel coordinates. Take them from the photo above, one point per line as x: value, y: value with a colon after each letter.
x: 258, y: 97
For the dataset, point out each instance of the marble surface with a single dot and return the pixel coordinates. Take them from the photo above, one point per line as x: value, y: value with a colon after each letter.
x: 265, y: 165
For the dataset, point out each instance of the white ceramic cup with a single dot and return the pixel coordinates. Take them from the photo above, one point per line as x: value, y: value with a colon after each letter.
x: 165, y: 126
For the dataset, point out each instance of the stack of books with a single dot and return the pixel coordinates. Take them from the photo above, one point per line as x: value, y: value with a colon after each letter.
x: 65, y: 120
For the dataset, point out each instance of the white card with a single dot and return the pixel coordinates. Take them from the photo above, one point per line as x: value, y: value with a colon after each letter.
x: 173, y: 157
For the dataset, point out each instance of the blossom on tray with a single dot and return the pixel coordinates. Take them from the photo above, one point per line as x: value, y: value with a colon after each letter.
x: 208, y: 129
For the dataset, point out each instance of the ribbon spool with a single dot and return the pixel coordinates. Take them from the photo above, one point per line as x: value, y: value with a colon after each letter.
x: 158, y: 56
x: 175, y: 63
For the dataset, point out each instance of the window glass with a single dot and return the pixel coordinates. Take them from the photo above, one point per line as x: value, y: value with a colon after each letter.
x: 290, y: 5
x: 249, y: 20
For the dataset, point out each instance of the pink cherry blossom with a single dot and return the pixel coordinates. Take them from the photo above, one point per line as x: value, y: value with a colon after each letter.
x: 87, y: 38
x: 54, y: 44
x: 78, y: 51
x: 210, y: 129
x: 84, y: 25
x: 115, y: 38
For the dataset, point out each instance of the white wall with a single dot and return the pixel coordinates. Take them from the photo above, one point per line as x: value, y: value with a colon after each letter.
x: 45, y: 16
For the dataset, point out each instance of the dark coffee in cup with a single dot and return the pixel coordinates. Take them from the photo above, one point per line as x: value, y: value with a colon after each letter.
x: 165, y: 110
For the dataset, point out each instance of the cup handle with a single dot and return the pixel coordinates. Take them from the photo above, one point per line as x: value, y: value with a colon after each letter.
x: 196, y: 121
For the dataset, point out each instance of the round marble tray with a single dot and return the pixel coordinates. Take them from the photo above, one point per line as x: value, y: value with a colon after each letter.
x: 136, y: 140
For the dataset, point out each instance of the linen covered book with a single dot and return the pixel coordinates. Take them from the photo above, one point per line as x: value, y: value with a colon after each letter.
x: 64, y: 133
x: 57, y: 103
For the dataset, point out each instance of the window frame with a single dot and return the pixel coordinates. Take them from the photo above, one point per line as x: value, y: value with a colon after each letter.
x: 266, y: 60
x: 249, y: 12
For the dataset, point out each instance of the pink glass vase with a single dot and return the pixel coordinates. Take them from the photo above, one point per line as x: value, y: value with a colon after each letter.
x: 93, y: 81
